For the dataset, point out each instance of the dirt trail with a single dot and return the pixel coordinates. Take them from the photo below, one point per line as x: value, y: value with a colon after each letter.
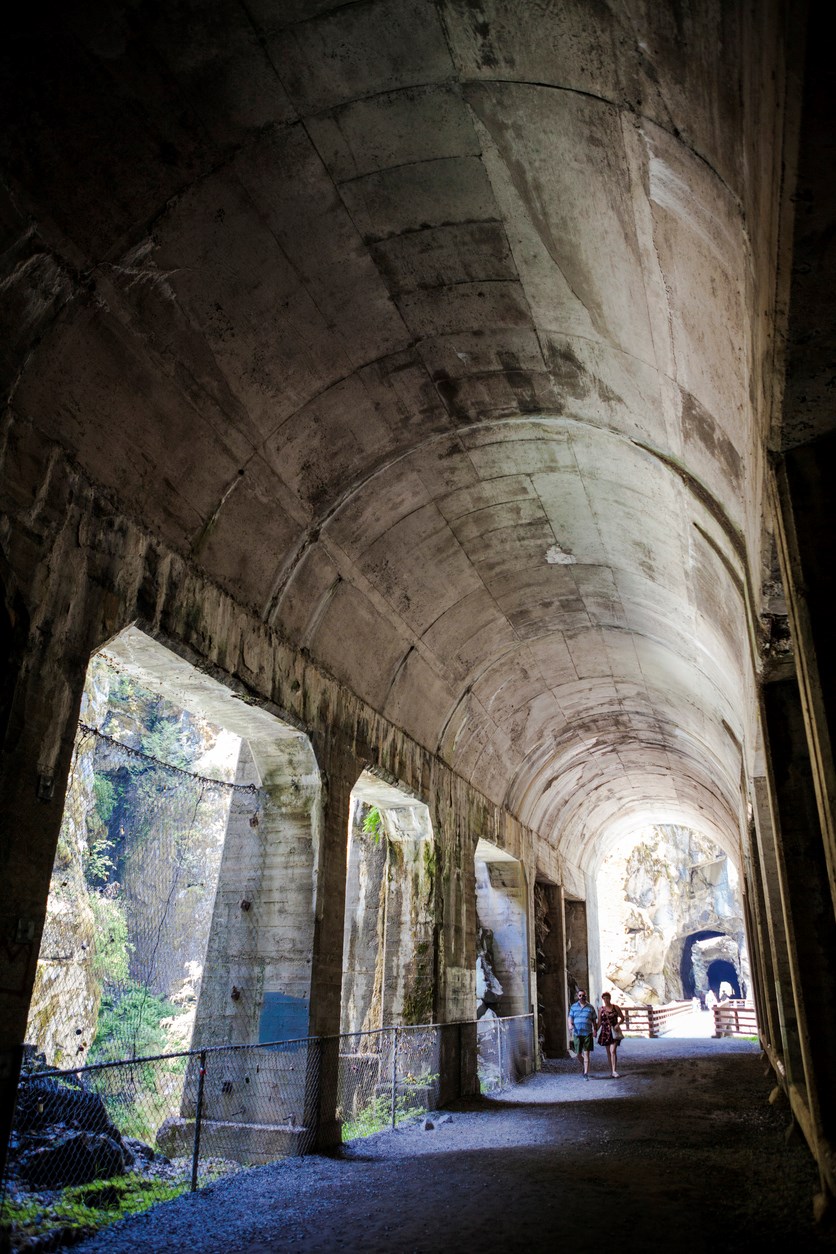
x: 682, y: 1153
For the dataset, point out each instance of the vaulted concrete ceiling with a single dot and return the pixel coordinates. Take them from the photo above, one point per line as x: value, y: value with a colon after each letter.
x: 438, y: 333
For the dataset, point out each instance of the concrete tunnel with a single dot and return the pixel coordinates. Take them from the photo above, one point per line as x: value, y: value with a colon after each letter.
x: 451, y: 381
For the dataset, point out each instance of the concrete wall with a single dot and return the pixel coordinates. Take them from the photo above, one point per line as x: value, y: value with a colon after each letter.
x: 87, y: 573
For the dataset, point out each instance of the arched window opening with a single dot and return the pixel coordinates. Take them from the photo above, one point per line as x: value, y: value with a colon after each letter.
x: 181, y: 908
x: 389, y: 946
x: 502, y: 980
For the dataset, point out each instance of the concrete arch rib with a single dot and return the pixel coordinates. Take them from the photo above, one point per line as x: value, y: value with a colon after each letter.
x: 449, y: 462
x: 609, y: 782
x: 553, y: 576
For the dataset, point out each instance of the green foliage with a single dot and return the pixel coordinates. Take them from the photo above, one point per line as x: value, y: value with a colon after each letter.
x: 98, y: 863
x: 111, y: 959
x: 84, y: 1208
x: 130, y: 1024
x: 105, y: 796
x: 164, y: 740
x: 149, y: 1094
x: 373, y: 824
x: 378, y: 1115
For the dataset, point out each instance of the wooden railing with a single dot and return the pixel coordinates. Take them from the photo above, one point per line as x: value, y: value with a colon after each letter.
x: 652, y: 1021
x: 637, y: 1020
x: 731, y: 1018
x: 735, y: 1018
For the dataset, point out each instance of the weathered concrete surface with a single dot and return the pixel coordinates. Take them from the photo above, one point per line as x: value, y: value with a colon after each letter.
x: 518, y: 454
x: 414, y: 368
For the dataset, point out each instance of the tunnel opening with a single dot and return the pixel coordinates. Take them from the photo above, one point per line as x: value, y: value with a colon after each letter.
x: 711, y: 959
x: 186, y: 852
x: 502, y: 980
x: 669, y: 903
x: 723, y: 979
x: 136, y: 869
x: 690, y: 979
x: 388, y: 974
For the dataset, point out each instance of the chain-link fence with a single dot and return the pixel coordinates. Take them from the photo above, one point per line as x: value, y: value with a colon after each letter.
x: 102, y: 1141
x: 505, y: 1050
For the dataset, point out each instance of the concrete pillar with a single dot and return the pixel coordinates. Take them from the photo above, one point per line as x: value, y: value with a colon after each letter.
x: 766, y: 993
x: 807, y: 910
x: 256, y: 985
x: 551, y: 974
x: 787, y: 1044
x: 42, y: 685
x: 805, y: 525
x: 340, y: 773
x: 456, y: 927
x: 389, y: 943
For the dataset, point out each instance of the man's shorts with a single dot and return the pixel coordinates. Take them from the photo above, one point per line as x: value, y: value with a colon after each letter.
x: 583, y: 1043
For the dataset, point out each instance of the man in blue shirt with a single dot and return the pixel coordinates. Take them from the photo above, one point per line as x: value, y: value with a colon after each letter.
x: 583, y: 1021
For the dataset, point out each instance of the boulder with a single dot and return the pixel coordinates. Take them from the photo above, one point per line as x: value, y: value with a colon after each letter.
x: 43, y: 1102
x: 73, y: 1158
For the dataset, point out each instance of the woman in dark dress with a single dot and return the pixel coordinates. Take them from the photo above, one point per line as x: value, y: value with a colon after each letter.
x: 609, y: 1032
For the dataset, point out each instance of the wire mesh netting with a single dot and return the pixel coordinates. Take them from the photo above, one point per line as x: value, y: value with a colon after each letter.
x: 93, y: 1144
x: 385, y: 1077
x: 134, y: 878
x: 505, y: 1050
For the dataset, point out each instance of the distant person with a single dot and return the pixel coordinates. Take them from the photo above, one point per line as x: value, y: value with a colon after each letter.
x: 710, y: 999
x: 582, y: 1024
x: 609, y: 1033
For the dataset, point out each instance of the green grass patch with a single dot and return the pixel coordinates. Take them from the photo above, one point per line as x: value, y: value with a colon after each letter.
x: 378, y: 1115
x: 85, y: 1208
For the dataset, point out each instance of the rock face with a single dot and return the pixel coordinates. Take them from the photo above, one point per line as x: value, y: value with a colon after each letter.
x: 387, y: 970
x: 670, y: 909
x: 135, y: 872
x: 65, y: 1000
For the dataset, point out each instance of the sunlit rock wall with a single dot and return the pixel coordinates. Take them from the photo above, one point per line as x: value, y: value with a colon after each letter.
x: 65, y: 1000
x: 653, y: 895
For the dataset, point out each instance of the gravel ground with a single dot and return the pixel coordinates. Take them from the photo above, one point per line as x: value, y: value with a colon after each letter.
x: 683, y: 1152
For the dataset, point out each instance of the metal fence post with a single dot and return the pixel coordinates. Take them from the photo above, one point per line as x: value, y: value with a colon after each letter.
x: 201, y: 1076
x: 499, y: 1049
x: 394, y: 1074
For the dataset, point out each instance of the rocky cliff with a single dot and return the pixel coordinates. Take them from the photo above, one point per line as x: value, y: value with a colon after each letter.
x: 670, y: 907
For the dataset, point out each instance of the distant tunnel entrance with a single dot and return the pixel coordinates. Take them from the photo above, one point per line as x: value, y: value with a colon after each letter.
x: 721, y: 972
x: 709, y: 958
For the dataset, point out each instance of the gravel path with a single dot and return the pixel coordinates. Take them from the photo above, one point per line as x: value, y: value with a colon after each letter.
x: 684, y: 1152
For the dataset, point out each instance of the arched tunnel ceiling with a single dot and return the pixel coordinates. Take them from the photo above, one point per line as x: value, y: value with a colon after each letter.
x: 425, y: 330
